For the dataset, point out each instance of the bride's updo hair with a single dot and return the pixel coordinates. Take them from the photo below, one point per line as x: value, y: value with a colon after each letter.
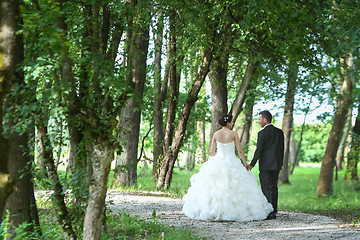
x: 225, y: 119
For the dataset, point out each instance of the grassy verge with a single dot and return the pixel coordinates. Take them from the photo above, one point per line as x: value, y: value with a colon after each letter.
x: 343, y: 204
x: 122, y: 226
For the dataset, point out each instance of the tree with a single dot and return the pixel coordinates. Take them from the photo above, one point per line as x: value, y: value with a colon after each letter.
x: 159, y: 96
x: 343, y: 142
x: 353, y: 155
x: 245, y: 129
x: 218, y: 79
x: 9, y: 24
x: 91, y: 94
x: 20, y: 204
x: 171, y: 154
x: 325, y: 184
x: 138, y: 40
x: 288, y: 119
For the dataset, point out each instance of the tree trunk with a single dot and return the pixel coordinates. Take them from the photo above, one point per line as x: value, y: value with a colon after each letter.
x: 67, y: 77
x: 325, y: 184
x: 132, y: 114
x: 201, y: 136
x: 19, y: 202
x: 292, y: 152
x: 158, y: 98
x: 20, y: 159
x: 170, y: 156
x: 58, y: 196
x: 172, y: 100
x: 250, y: 75
x: 288, y: 120
x: 343, y: 141
x: 218, y: 81
x: 244, y: 131
x: 102, y: 156
x: 296, y: 161
x: 353, y: 155
x: 190, y: 157
x: 353, y: 159
x: 10, y: 22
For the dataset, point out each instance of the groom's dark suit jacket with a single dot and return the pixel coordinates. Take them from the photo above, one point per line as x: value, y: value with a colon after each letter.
x: 269, y: 149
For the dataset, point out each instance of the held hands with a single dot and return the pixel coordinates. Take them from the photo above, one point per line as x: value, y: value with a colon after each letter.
x: 248, y: 167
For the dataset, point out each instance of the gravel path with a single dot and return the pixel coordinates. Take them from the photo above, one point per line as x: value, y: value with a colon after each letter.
x: 288, y: 225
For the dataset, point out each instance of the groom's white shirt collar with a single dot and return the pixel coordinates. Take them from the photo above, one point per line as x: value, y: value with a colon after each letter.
x: 266, y: 125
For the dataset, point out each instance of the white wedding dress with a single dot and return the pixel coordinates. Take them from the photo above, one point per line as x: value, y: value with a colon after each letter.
x: 223, y: 190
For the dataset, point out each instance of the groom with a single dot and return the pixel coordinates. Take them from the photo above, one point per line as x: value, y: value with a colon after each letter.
x: 270, y: 153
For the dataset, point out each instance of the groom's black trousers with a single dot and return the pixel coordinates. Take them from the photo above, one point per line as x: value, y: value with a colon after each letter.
x: 268, y: 182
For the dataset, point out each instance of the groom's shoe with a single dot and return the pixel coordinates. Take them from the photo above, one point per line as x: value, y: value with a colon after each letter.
x: 271, y: 216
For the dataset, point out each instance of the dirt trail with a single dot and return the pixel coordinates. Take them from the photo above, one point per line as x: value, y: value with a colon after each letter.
x: 288, y: 225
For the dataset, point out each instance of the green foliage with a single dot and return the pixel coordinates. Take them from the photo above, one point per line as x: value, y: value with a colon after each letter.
x: 22, y: 231
x: 122, y: 226
x: 4, y: 227
x: 314, y: 142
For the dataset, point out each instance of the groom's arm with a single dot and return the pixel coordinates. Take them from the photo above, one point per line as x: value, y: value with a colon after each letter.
x: 259, y: 149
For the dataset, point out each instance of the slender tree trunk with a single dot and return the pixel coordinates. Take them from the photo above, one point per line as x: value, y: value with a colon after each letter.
x: 292, y: 152
x: 353, y: 155
x: 102, y: 156
x: 172, y: 100
x: 288, y: 120
x: 138, y: 56
x: 170, y: 156
x: 244, y: 131
x: 343, y: 141
x: 250, y: 75
x: 201, y: 136
x: 296, y: 161
x: 353, y: 158
x: 158, y: 98
x: 325, y: 184
x: 190, y: 158
x: 58, y: 196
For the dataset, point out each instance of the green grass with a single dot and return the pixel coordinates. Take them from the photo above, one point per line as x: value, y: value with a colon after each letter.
x: 300, y: 195
x: 179, y: 185
x: 122, y: 226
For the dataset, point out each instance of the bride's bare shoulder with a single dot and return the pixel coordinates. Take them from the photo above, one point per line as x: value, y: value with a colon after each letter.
x: 234, y: 133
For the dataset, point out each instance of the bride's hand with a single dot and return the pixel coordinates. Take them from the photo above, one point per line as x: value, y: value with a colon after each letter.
x: 249, y: 167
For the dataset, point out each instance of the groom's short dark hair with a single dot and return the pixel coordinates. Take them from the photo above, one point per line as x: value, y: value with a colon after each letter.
x: 266, y: 114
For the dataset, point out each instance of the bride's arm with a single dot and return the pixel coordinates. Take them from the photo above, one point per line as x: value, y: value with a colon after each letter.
x: 213, y: 146
x: 240, y: 149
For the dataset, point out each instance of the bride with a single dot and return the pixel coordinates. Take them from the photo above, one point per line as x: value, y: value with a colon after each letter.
x: 223, y: 190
